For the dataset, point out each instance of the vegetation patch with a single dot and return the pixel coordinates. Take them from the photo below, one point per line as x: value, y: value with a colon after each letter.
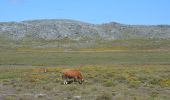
x: 102, y: 82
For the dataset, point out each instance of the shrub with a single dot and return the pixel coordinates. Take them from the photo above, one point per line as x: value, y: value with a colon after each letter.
x: 164, y: 82
x: 120, y: 79
x: 109, y: 83
x: 10, y: 97
x: 154, y: 81
x: 71, y: 87
x: 134, y: 84
x: 104, y: 96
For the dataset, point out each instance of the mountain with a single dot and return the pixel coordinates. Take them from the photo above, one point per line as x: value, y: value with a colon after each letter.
x: 77, y: 31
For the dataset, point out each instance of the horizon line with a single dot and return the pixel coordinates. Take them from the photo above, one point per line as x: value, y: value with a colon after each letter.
x: 39, y: 19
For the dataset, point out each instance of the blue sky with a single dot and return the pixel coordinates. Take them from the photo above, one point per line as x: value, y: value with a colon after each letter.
x: 92, y: 11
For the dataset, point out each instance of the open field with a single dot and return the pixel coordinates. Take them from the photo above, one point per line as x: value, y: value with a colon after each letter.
x: 110, y: 82
x: 51, y: 57
x: 109, y: 74
x: 118, y: 61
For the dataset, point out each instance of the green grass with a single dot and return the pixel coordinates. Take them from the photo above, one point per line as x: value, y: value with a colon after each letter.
x: 121, y: 70
x: 46, y: 58
x: 102, y: 82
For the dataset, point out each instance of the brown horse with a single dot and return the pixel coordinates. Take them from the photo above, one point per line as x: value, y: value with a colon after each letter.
x: 72, y: 75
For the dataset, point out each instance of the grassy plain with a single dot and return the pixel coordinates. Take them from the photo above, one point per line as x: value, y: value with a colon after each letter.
x: 52, y: 57
x: 109, y: 82
x: 110, y: 74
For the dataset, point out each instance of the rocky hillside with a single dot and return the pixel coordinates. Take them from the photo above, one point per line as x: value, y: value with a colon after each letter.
x: 62, y: 29
x: 76, y: 30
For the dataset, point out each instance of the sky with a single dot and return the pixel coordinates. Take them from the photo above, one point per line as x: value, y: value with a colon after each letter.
x: 145, y: 12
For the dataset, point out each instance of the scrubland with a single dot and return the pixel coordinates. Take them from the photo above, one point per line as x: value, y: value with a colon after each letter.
x: 117, y: 82
x: 118, y: 61
x: 109, y: 74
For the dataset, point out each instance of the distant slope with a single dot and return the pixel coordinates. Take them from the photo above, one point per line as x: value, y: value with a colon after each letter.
x: 47, y: 29
x: 26, y: 32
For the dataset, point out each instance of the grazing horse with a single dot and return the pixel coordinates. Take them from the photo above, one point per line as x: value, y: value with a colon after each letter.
x: 72, y: 75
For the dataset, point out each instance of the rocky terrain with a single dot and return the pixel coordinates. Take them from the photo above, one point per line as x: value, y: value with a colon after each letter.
x: 58, y: 29
x: 77, y: 31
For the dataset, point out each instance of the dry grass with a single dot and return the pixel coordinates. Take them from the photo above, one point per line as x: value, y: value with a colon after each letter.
x: 130, y: 82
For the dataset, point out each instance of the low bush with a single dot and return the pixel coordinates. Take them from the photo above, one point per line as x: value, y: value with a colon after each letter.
x: 104, y: 96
